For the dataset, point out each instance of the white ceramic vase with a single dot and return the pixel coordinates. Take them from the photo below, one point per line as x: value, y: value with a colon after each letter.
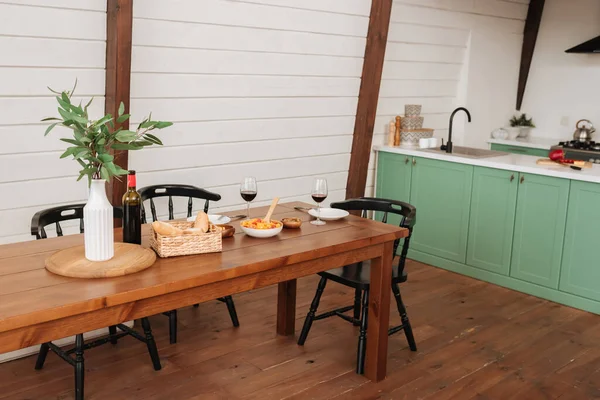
x: 98, y: 224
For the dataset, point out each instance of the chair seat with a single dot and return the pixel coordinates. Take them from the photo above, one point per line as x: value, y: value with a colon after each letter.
x: 359, y: 275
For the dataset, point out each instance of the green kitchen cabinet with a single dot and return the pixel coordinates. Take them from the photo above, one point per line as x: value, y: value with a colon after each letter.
x: 580, y: 273
x: 528, y: 151
x: 539, y: 229
x: 393, y: 180
x: 492, y: 217
x: 441, y: 192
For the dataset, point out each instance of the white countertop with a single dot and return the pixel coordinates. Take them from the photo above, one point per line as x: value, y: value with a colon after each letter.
x: 510, y: 162
x: 531, y: 142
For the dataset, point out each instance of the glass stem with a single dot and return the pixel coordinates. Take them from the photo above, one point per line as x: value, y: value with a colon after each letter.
x: 319, y: 212
x: 248, y: 209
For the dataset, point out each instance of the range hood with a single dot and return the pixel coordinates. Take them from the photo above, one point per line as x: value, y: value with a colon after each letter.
x: 591, y: 46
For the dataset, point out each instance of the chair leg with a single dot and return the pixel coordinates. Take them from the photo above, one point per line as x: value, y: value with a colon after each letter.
x: 151, y: 344
x: 311, y: 313
x: 79, y: 367
x: 357, y: 296
x: 112, y: 331
x: 232, y: 312
x: 404, y: 317
x: 362, y: 336
x: 39, y: 364
x: 173, y: 326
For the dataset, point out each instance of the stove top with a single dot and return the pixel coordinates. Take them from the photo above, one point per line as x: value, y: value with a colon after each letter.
x: 586, y: 146
x: 584, y: 151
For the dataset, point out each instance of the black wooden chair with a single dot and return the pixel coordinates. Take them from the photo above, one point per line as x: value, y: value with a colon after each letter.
x: 357, y: 276
x: 55, y: 216
x: 191, y: 192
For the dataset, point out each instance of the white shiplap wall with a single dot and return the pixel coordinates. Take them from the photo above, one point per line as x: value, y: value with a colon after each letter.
x: 432, y: 60
x: 267, y: 88
x: 43, y: 43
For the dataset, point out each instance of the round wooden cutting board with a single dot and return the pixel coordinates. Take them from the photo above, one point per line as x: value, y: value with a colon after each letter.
x: 129, y: 258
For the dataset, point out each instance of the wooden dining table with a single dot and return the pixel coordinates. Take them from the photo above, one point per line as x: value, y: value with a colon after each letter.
x: 37, y: 306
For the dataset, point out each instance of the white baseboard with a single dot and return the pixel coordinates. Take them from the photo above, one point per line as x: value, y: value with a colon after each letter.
x: 21, y: 353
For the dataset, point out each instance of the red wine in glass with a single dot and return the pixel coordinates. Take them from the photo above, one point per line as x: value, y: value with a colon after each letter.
x: 318, y: 198
x: 319, y: 193
x: 248, y: 195
x: 248, y: 191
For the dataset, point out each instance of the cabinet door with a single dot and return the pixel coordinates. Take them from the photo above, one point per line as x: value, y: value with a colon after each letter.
x: 580, y: 273
x: 393, y: 180
x: 441, y: 192
x: 539, y: 229
x: 493, y: 205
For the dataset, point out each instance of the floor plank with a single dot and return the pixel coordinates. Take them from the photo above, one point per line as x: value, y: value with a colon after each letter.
x: 476, y: 341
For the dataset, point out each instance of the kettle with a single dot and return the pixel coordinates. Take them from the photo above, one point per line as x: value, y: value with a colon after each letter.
x: 583, y: 134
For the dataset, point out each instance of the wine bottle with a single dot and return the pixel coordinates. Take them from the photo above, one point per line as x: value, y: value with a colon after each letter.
x: 132, y: 212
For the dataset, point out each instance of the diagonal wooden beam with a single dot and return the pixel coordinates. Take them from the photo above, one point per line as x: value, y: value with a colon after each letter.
x: 532, y: 26
x: 364, y: 123
x: 119, y: 25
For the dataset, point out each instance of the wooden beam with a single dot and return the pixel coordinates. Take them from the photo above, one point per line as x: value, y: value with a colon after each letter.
x: 532, y: 26
x: 119, y: 25
x: 368, y: 96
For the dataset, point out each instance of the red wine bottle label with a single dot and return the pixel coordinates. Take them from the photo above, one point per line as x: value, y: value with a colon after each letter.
x: 131, y: 181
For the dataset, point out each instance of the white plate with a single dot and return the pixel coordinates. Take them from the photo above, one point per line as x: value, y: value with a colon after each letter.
x: 214, y: 219
x: 329, y: 214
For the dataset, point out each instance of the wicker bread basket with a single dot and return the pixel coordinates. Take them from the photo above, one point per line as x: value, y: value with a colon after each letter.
x: 183, y: 245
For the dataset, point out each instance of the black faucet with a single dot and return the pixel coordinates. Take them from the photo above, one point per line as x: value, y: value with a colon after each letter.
x: 448, y: 145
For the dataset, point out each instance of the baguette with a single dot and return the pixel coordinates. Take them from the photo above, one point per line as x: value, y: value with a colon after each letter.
x: 201, y: 221
x: 166, y: 229
x: 193, y: 231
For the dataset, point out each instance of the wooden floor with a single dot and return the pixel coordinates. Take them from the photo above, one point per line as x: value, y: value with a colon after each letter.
x: 476, y: 340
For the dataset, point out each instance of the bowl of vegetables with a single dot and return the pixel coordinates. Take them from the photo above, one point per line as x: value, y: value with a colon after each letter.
x: 261, y: 228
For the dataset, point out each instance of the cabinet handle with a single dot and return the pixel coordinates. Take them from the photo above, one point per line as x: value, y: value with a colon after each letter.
x: 522, y: 178
x: 406, y: 160
x: 414, y: 161
x: 512, y: 177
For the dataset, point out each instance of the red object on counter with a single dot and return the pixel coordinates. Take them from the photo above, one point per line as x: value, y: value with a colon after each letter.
x: 558, y: 155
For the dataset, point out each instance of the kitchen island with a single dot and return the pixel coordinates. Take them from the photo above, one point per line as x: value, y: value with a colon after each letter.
x: 503, y: 219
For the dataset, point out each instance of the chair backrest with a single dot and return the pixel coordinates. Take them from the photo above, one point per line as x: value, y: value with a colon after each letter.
x: 192, y: 192
x: 56, y: 215
x: 407, y: 212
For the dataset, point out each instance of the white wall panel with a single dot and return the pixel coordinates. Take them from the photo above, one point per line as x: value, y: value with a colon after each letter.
x: 44, y: 43
x: 267, y: 88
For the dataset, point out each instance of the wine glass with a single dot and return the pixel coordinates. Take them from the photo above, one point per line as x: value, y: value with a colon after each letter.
x: 319, y: 193
x: 248, y: 192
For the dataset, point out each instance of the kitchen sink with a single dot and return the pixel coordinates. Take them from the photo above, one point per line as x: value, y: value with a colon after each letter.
x: 469, y: 152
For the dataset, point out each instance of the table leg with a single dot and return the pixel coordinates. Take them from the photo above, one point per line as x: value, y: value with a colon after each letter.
x: 379, y: 315
x: 286, y: 308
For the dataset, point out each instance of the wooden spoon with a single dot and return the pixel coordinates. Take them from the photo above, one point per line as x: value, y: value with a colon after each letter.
x: 271, y: 209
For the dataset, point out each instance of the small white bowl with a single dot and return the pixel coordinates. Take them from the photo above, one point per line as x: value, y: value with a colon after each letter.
x: 329, y: 214
x: 262, y: 233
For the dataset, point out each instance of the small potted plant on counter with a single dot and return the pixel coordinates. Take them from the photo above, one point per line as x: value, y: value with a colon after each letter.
x: 520, y: 126
x: 91, y: 146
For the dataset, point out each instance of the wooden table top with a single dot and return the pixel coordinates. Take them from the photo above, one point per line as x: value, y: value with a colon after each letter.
x: 29, y: 294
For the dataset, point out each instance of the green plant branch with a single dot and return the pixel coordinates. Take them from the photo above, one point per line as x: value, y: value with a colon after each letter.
x: 94, y: 141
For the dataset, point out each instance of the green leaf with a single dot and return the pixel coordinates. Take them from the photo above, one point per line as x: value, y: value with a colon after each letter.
x: 143, y: 143
x: 73, y: 90
x: 72, y: 141
x: 84, y: 165
x: 106, y: 158
x: 103, y: 120
x: 120, y: 171
x: 49, y: 128
x: 86, y: 139
x: 147, y: 124
x: 65, y: 98
x: 52, y: 90
x: 126, y: 136
x: 68, y: 116
x: 162, y: 124
x: 104, y: 174
x: 51, y: 119
x: 125, y: 146
x: 123, y: 118
x: 121, y: 108
x: 87, y: 105
x: 83, y: 153
x: 153, y: 139
x: 67, y: 153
